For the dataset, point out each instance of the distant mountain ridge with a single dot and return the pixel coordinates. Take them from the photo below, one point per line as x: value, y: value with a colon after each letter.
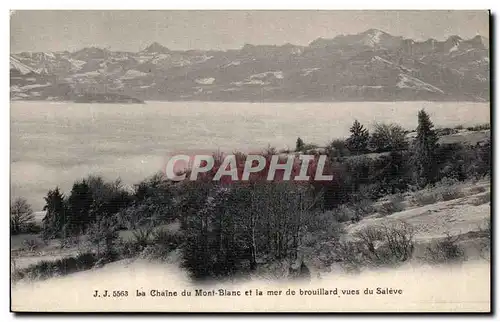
x: 369, y: 66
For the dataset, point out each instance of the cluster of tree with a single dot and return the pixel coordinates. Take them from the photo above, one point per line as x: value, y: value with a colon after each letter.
x: 99, y: 209
x: 384, y: 138
x: 90, y: 200
x: 232, y: 228
x: 300, y: 146
x: 405, y: 164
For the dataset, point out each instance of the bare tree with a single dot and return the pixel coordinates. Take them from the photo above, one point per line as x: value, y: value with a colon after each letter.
x: 21, y: 216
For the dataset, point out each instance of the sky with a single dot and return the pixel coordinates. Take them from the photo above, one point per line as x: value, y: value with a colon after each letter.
x: 180, y: 30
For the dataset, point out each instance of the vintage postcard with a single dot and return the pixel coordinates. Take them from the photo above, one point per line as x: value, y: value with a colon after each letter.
x: 250, y: 161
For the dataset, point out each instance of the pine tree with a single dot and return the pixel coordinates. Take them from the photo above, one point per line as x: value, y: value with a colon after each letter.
x: 357, y: 143
x: 299, y: 146
x: 80, y: 203
x: 425, y: 150
x: 55, y: 217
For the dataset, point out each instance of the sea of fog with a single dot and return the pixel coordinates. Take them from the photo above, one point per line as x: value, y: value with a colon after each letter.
x: 53, y: 144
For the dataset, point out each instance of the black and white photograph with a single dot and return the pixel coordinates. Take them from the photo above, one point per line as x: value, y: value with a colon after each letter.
x: 250, y: 161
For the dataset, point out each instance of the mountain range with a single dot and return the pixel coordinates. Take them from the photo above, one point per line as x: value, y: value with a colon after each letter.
x: 369, y: 66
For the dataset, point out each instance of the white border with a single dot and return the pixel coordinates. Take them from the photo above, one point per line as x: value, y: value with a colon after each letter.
x: 190, y: 4
x: 258, y: 4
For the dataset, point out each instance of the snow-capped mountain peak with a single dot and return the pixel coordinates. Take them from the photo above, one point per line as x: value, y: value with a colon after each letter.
x: 156, y: 48
x: 15, y: 64
x: 371, y: 65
